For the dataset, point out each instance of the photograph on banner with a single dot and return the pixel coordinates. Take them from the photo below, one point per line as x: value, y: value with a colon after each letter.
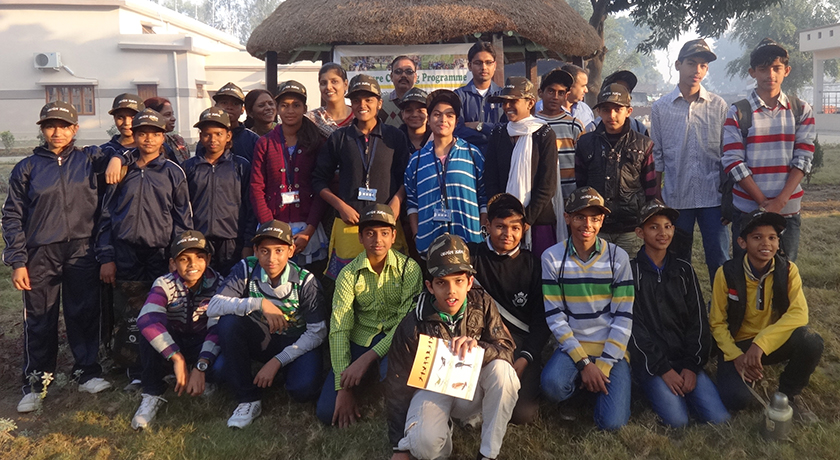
x: 438, y: 66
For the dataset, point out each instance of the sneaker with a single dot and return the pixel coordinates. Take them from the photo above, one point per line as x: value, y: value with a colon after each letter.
x: 802, y: 412
x: 30, y: 403
x: 95, y: 385
x: 134, y: 386
x: 147, y: 410
x: 244, y: 414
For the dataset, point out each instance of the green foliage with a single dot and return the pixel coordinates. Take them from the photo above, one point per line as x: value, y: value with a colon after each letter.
x: 236, y: 17
x: 622, y: 37
x: 782, y: 22
x: 8, y: 140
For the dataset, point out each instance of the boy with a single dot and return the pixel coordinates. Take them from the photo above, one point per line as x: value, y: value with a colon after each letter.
x: 687, y: 125
x: 588, y: 291
x: 272, y: 311
x: 231, y: 99
x: 479, y: 115
x: 372, y: 294
x: 617, y: 161
x: 218, y: 182
x: 671, y: 338
x: 175, y: 327
x: 415, y: 118
x: 759, y: 316
x: 628, y: 80
x: 124, y: 108
x: 419, y: 420
x: 512, y: 277
x: 769, y: 162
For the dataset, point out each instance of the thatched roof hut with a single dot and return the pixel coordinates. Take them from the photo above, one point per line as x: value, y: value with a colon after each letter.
x: 308, y: 29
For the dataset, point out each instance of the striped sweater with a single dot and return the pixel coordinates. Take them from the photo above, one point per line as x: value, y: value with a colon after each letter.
x: 465, y: 193
x: 172, y: 308
x: 589, y: 304
x: 567, y: 129
x: 773, y: 146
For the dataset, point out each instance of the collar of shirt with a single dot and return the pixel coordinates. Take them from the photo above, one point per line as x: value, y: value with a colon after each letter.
x: 573, y: 251
x: 376, y: 131
x: 227, y: 156
x: 677, y: 94
x: 748, y: 269
x: 393, y: 95
x: 758, y: 103
x: 284, y: 276
x: 390, y: 260
x: 509, y: 253
x: 494, y: 88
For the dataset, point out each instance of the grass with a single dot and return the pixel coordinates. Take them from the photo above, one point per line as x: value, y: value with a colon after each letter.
x: 75, y: 426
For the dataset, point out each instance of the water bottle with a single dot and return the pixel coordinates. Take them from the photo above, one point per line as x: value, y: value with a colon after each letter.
x: 778, y: 419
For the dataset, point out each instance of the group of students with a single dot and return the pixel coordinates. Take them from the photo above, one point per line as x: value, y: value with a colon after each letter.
x: 518, y: 225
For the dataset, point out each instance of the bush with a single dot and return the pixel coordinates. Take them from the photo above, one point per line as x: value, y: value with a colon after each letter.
x: 817, y: 161
x: 8, y: 140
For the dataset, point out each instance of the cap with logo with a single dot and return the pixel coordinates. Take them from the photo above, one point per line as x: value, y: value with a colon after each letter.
x: 291, y: 87
x: 274, y: 229
x: 377, y: 213
x: 504, y: 201
x: 446, y: 96
x: 697, y: 47
x: 625, y: 76
x: 149, y: 117
x: 614, y: 94
x: 585, y: 197
x: 58, y: 110
x: 760, y: 218
x: 448, y: 254
x: 656, y: 207
x: 127, y: 101
x: 415, y: 94
x: 231, y: 90
x: 515, y: 88
x: 213, y: 115
x: 363, y: 84
x: 190, y: 239
x: 768, y: 45
x: 557, y: 76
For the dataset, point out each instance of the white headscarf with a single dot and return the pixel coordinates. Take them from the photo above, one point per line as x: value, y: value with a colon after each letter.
x: 519, y: 176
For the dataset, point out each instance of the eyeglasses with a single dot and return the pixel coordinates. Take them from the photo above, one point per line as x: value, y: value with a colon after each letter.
x: 581, y: 219
x: 408, y: 72
x: 483, y: 63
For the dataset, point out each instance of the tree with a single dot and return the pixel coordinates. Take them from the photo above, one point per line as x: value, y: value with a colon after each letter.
x: 782, y: 23
x: 236, y: 17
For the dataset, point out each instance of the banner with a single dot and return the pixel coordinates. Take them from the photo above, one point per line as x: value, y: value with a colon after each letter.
x: 438, y: 66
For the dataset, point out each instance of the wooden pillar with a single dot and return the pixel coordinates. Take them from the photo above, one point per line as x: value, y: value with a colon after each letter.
x: 531, y: 67
x: 498, y: 44
x: 271, y: 71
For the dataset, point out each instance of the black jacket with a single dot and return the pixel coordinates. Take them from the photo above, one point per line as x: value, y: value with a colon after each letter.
x: 52, y: 198
x: 670, y: 322
x: 543, y: 171
x: 481, y: 322
x: 149, y: 207
x: 220, y: 198
x: 243, y: 142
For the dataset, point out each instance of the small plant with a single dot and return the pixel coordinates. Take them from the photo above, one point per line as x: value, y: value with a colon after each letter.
x: 817, y: 162
x: 7, y: 425
x: 8, y: 140
x: 45, y: 378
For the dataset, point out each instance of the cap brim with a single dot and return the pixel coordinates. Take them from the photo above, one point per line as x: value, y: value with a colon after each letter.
x: 111, y: 112
x: 157, y: 128
x: 208, y: 249
x: 350, y: 94
x: 604, y: 209
x: 506, y: 97
x: 671, y: 213
x: 768, y: 218
x: 450, y: 269
x: 258, y: 238
x: 609, y: 102
x: 292, y: 93
x: 56, y: 118
x: 217, y: 96
x: 204, y: 122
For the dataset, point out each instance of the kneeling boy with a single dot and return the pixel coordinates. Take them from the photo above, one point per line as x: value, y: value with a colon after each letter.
x: 671, y: 338
x: 175, y: 327
x: 418, y: 420
x: 274, y: 312
x: 759, y: 316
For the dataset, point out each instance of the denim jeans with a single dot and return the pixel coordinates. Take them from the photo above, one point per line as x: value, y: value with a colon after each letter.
x: 789, y: 239
x: 561, y: 379
x: 715, y: 236
x: 704, y: 400
x: 155, y: 366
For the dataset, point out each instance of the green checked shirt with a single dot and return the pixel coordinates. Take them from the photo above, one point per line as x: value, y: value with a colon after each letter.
x: 366, y: 304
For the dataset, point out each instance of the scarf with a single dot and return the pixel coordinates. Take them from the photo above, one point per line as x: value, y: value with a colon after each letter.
x: 519, y: 183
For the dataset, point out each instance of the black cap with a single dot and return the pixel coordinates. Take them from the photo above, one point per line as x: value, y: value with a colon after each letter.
x: 656, y: 207
x: 149, y: 117
x: 503, y: 202
x: 697, y: 47
x: 448, y: 254
x: 557, y: 76
x: 614, y: 94
x: 415, y: 94
x: 760, y: 218
x: 377, y: 213
x: 274, y: 229
x: 585, y: 197
x: 191, y: 239
x: 770, y: 47
x: 230, y: 90
x: 446, y: 96
x: 622, y: 75
x: 213, y: 115
x: 127, y: 101
x: 291, y: 87
x: 58, y: 110
x: 363, y: 84
x: 515, y: 88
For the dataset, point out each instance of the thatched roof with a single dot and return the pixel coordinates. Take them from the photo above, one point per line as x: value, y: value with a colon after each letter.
x: 307, y: 29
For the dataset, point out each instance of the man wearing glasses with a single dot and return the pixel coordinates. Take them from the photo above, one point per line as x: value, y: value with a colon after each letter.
x: 403, y: 76
x: 479, y: 115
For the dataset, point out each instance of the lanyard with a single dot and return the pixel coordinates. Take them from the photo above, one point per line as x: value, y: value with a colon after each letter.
x: 367, y: 152
x: 289, y: 160
x: 441, y: 175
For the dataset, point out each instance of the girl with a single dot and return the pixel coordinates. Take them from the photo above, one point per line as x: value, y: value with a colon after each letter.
x: 261, y: 109
x: 332, y: 80
x: 175, y: 146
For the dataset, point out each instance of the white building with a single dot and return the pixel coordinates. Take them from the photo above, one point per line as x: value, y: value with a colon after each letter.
x: 824, y: 42
x: 89, y: 51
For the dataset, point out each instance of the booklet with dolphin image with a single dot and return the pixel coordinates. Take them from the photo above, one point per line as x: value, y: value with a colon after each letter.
x: 437, y: 369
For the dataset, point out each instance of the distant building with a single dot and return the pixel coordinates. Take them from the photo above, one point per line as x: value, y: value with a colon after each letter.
x: 87, y: 52
x: 824, y: 42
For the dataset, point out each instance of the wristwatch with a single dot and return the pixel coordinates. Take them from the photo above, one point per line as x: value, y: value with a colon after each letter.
x: 479, y: 126
x: 582, y: 363
x: 201, y: 366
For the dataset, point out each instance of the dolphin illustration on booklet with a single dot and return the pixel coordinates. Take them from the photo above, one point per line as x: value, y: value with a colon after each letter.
x: 436, y: 369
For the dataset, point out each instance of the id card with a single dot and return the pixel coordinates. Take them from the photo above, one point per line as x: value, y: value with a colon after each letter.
x: 290, y: 197
x: 442, y: 215
x: 367, y: 194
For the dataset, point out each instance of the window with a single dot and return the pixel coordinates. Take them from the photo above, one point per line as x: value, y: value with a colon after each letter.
x: 199, y: 90
x: 831, y: 33
x: 149, y: 30
x: 80, y: 96
x: 819, y: 34
x: 809, y: 36
x: 146, y: 91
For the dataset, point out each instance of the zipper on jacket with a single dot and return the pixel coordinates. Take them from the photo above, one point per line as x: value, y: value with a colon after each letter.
x: 212, y: 200
x: 62, y: 174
